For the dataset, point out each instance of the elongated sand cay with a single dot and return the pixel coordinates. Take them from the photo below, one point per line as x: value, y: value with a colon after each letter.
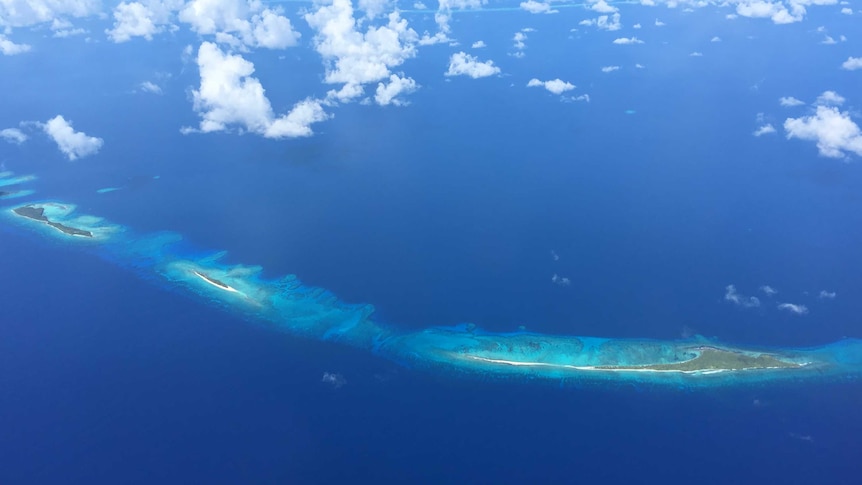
x: 285, y: 304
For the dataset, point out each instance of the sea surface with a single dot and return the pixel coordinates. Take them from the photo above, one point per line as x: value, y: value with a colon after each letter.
x: 437, y: 213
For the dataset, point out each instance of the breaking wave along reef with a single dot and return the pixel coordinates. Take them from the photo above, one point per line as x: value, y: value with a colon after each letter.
x: 288, y: 305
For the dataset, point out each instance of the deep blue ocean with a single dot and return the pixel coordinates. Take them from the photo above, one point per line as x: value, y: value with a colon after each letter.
x: 438, y: 213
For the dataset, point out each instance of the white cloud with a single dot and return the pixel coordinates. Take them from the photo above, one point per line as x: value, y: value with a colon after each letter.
x: 852, y: 63
x: 847, y: 11
x: 604, y: 22
x: 297, y: 122
x: 388, y: 93
x: 834, y: 131
x: 764, y: 130
x: 715, y: 39
x: 602, y: 6
x: 136, y: 19
x: 830, y: 98
x: 74, y: 144
x: 13, y: 135
x: 228, y: 95
x: 826, y: 295
x: 354, y: 58
x: 240, y: 23
x: 63, y: 28
x: 731, y: 295
x: 696, y: 54
x: 768, y: 290
x: 793, y: 308
x: 610, y: 68
x: 533, y: 6
x: 560, y: 280
x: 779, y: 11
x: 150, y: 87
x: 776, y: 11
x: 519, y: 39
x: 556, y: 86
x: 628, y: 40
x: 9, y: 48
x: 463, y: 64
x: 479, y: 44
x: 23, y: 13
x: 636, y: 26
x: 373, y: 8
x: 442, y: 17
x: 659, y: 23
x: 640, y: 66
x: 790, y: 101
x: 828, y: 40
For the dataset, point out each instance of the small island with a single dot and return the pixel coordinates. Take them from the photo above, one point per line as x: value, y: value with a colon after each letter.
x: 38, y: 214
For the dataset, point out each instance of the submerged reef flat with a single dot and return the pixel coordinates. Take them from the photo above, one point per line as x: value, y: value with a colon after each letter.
x: 14, y: 194
x: 288, y: 305
x: 8, y: 178
x: 58, y: 216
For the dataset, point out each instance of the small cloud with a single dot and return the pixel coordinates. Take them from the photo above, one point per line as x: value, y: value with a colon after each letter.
x: 768, y: 290
x: 533, y: 6
x: 640, y: 66
x: 149, y: 87
x: 602, y: 6
x: 696, y: 54
x: 556, y: 86
x: 828, y: 40
x: 715, y: 39
x: 479, y: 44
x: 793, y: 308
x: 569, y: 99
x: 554, y: 255
x: 420, y: 6
x: 636, y: 26
x: 764, y: 130
x: 847, y: 11
x: 627, y: 40
x: 334, y: 380
x: 659, y: 23
x: 610, y: 68
x: 9, y: 48
x: 790, y: 101
x: 13, y: 135
x: 731, y: 295
x: 604, y: 22
x: 826, y: 295
x: 830, y: 98
x: 560, y: 280
x: 463, y: 64
x: 388, y: 93
x: 852, y: 64
x: 74, y: 144
x: 519, y: 39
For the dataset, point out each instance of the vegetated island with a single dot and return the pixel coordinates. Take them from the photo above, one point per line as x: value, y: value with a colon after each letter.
x: 38, y: 214
x: 717, y: 360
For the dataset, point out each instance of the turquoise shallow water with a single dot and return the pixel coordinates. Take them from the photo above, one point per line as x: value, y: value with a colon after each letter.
x: 288, y: 305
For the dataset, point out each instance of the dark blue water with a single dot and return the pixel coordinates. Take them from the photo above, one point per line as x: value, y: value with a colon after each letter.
x: 114, y: 380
